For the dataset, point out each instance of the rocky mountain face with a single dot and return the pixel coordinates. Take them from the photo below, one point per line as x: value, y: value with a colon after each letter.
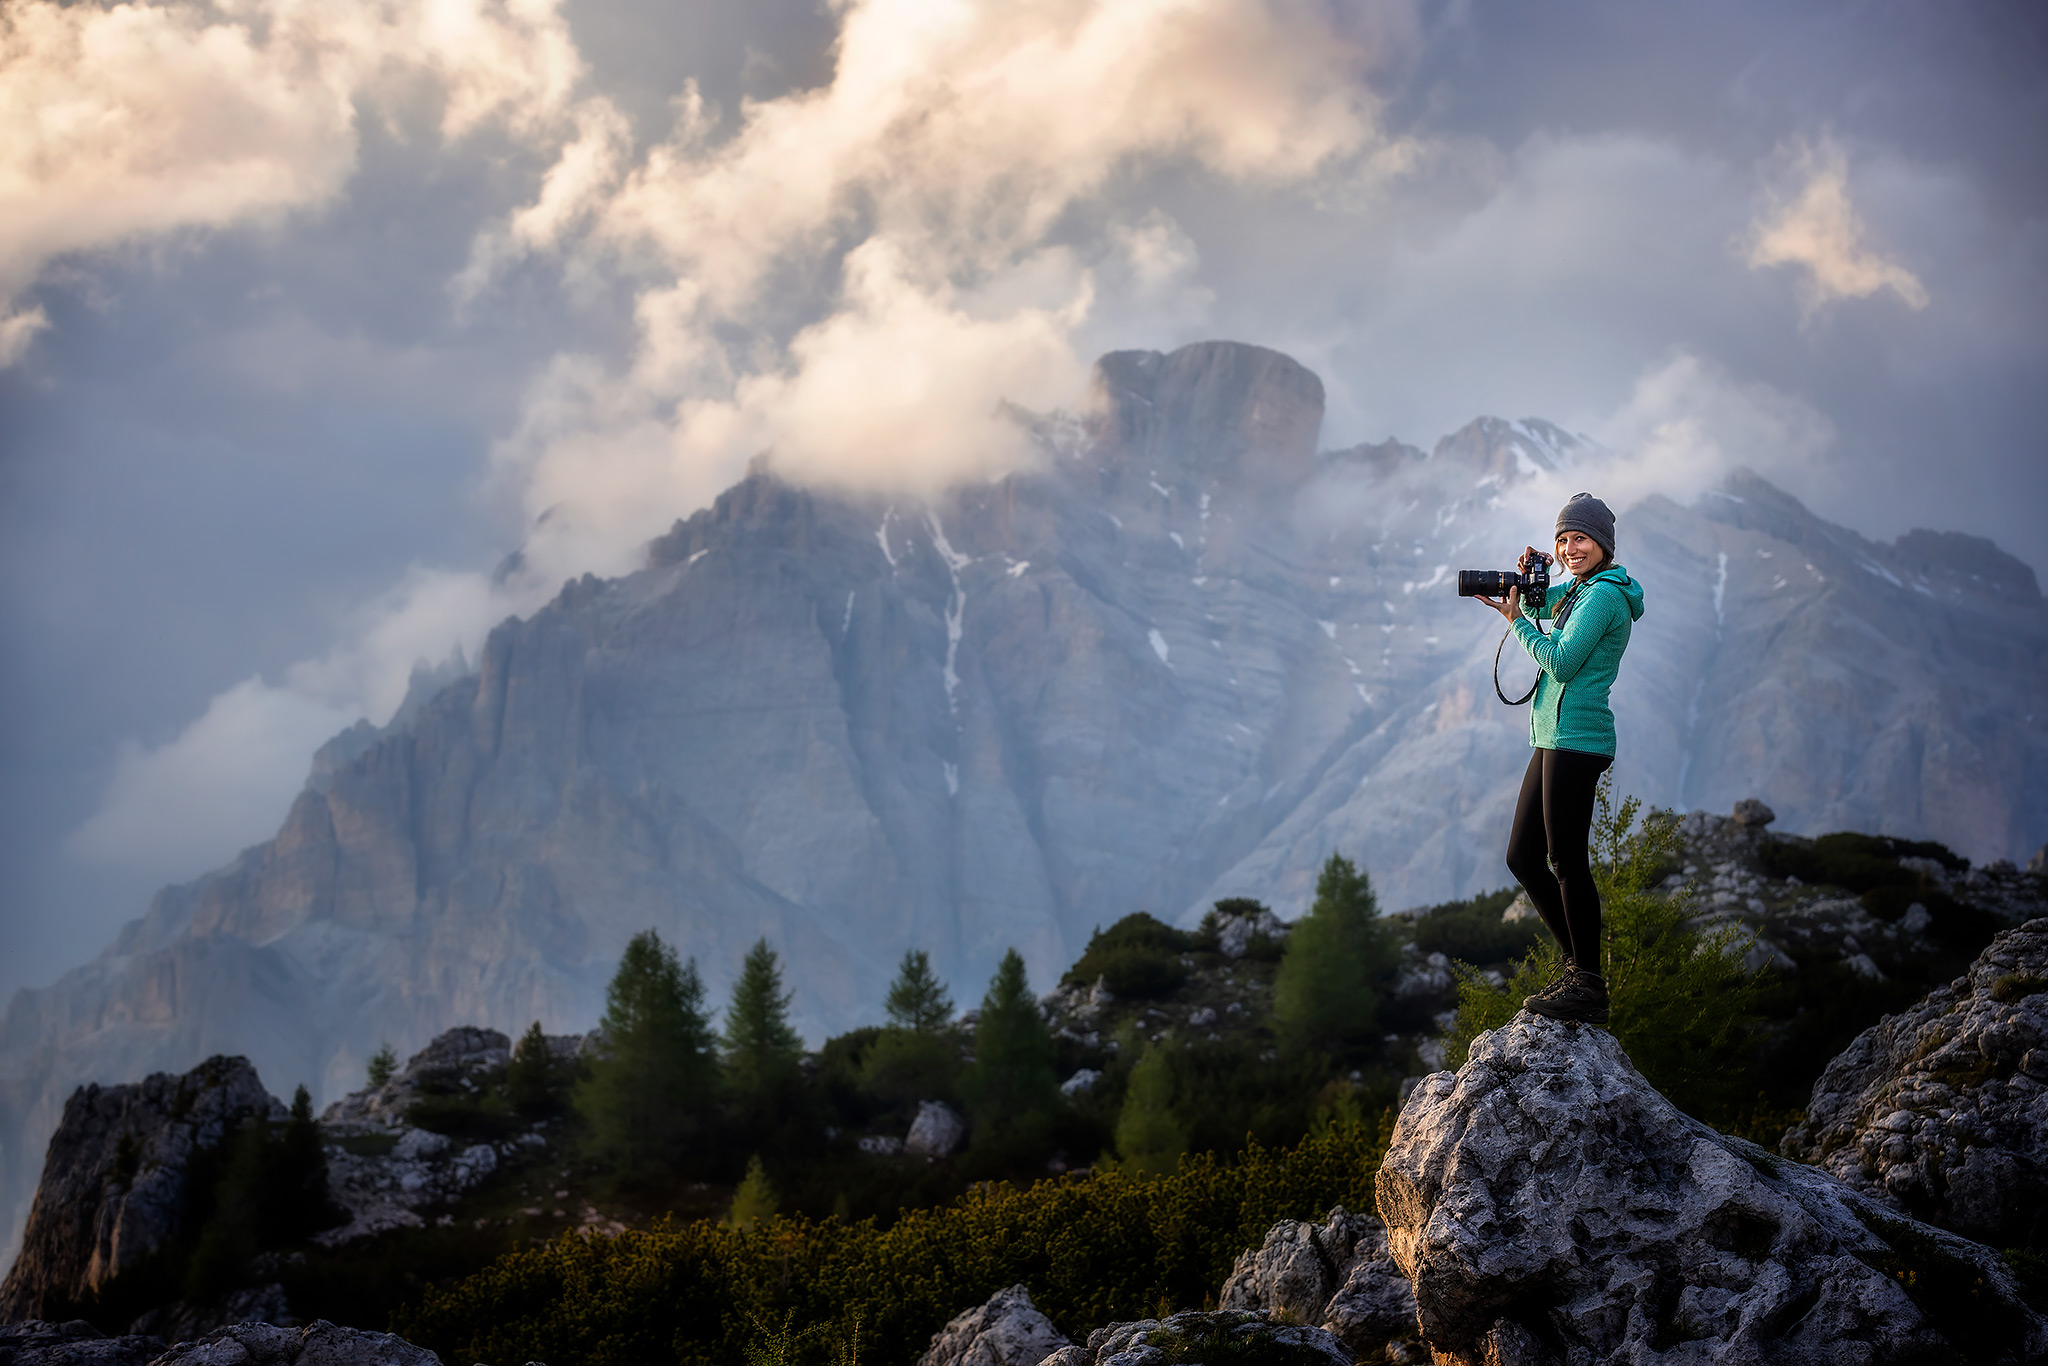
x: 1186, y: 657
x: 114, y: 1185
x: 1941, y: 1111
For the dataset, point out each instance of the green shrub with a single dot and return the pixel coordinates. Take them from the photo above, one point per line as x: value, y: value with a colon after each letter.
x: 1150, y: 1138
x: 1854, y: 861
x: 1473, y: 932
x: 1684, y: 1008
x: 1092, y: 1249
x: 1137, y: 958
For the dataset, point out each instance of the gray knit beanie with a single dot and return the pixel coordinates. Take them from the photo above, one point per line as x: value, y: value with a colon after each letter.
x: 1588, y: 514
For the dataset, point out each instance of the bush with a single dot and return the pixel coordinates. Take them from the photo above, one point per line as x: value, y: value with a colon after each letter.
x: 1684, y: 1008
x: 1137, y: 958
x: 1854, y: 861
x: 1091, y: 1248
x: 1473, y: 932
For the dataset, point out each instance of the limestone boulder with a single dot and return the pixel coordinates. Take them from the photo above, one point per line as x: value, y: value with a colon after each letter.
x: 1193, y: 1337
x: 37, y: 1342
x: 1548, y: 1205
x: 1337, y: 1274
x: 1941, y: 1111
x: 319, y: 1343
x: 1006, y: 1331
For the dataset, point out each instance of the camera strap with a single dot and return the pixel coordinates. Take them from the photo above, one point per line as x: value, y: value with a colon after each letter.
x: 1564, y: 610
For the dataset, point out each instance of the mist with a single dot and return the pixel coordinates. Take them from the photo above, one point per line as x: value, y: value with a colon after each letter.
x: 308, y: 318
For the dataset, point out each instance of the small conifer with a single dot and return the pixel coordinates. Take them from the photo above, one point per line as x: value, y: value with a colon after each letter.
x: 647, y: 1090
x: 762, y: 1050
x: 1325, y: 992
x: 756, y: 1199
x: 383, y: 1065
x: 1011, y: 1089
x: 917, y: 999
x: 1149, y: 1137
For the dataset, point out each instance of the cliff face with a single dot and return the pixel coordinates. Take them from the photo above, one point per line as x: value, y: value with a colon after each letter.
x: 114, y: 1188
x: 1187, y: 657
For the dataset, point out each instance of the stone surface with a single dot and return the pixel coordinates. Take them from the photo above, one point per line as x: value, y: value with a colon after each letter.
x: 319, y: 1343
x: 36, y: 1342
x: 1182, y: 657
x: 936, y: 1132
x: 1549, y: 1206
x: 1006, y: 1331
x: 1228, y: 1336
x: 1941, y: 1111
x: 1338, y: 1274
x: 1752, y: 814
x: 114, y: 1186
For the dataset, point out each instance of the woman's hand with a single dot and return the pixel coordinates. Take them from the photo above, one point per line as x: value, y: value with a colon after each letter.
x: 1509, y: 607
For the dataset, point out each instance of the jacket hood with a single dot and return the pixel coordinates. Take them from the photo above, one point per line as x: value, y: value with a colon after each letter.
x: 1631, y: 591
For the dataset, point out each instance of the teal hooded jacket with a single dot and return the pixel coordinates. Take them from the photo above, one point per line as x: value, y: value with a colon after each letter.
x: 1579, y: 663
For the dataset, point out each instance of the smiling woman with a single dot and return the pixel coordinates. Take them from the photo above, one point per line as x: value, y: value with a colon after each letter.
x: 1571, y: 729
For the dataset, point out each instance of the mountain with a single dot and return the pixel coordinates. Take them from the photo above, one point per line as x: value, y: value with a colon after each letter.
x: 1188, y: 656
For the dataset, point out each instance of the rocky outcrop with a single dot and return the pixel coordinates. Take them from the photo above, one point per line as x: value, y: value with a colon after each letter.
x: 1195, y: 1337
x: 115, y: 1185
x: 1006, y: 1331
x: 384, y: 1171
x: 35, y: 1342
x: 319, y: 1343
x: 1941, y: 1111
x: 1548, y: 1205
x: 1338, y: 1274
x: 936, y: 1132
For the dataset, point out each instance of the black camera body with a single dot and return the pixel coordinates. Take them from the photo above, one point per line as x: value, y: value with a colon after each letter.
x: 1495, y: 583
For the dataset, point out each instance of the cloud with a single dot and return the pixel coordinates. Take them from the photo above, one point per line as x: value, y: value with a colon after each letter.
x: 950, y: 183
x: 1810, y: 223
x: 222, y: 784
x: 132, y: 121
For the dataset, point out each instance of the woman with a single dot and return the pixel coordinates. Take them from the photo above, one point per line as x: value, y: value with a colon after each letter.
x: 1572, y: 732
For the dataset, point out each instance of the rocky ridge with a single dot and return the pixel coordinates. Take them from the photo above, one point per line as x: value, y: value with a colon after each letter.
x: 1941, y: 1111
x: 1549, y: 1206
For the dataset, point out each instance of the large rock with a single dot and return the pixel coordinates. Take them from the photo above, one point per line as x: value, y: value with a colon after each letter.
x: 319, y: 1343
x: 35, y: 1342
x: 1008, y: 1330
x: 936, y: 1132
x: 115, y: 1180
x: 1338, y: 1274
x: 1550, y: 1206
x: 1194, y: 1337
x: 1941, y: 1111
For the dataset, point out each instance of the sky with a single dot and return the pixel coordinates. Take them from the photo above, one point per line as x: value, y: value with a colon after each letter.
x: 311, y: 314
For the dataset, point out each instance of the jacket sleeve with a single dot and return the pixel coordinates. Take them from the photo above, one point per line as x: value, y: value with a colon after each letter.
x: 1563, y: 653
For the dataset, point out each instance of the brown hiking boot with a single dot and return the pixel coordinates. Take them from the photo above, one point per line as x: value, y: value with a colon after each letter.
x: 1563, y: 981
x: 1584, y: 1000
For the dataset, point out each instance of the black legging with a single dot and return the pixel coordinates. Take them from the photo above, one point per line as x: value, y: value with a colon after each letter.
x: 1553, y: 818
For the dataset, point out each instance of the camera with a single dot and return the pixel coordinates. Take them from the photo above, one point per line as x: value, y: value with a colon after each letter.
x: 1495, y: 583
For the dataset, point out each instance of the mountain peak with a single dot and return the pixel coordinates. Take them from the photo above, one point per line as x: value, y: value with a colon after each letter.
x: 1215, y: 407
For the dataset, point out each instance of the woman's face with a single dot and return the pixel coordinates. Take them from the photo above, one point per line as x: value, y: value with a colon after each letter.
x: 1581, y: 553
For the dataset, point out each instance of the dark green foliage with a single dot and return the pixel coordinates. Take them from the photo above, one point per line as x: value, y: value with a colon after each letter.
x: 903, y: 1067
x: 1473, y: 932
x: 1138, y: 958
x: 1854, y: 861
x: 917, y: 998
x: 1150, y: 1138
x: 2015, y: 986
x: 1338, y: 956
x: 756, y: 1198
x: 1229, y: 1340
x: 1092, y: 1249
x: 1684, y: 1008
x: 1011, y: 1092
x: 1980, y: 1323
x: 762, y: 1051
x: 383, y: 1065
x: 533, y: 1082
x: 271, y: 1192
x: 648, y: 1092
x: 1260, y: 948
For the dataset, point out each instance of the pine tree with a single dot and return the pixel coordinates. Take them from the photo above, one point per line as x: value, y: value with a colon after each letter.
x: 762, y: 1051
x: 1149, y: 1137
x: 1012, y: 1092
x: 1324, y: 994
x: 646, y: 1094
x: 917, y: 999
x: 383, y: 1065
x: 529, y: 1079
x: 756, y: 1199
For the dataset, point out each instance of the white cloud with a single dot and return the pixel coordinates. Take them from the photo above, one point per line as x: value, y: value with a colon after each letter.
x: 131, y: 121
x: 1810, y: 223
